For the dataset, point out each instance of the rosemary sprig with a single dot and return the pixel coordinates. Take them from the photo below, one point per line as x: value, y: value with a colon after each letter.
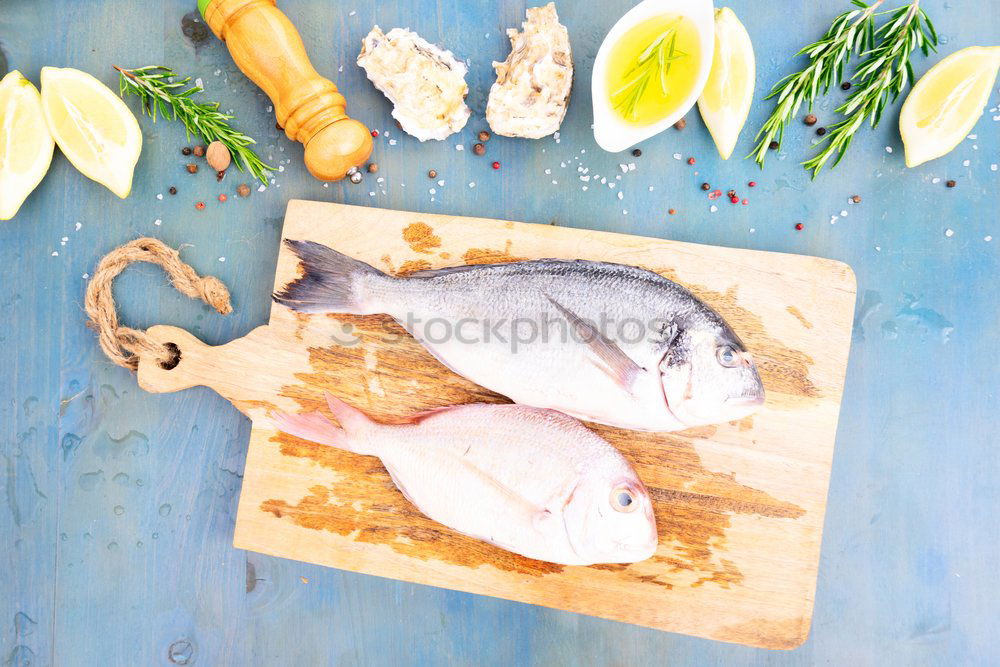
x: 850, y: 32
x: 153, y: 85
x: 654, y: 61
x: 883, y: 73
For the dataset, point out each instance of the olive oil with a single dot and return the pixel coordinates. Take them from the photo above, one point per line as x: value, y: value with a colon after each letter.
x: 653, y: 67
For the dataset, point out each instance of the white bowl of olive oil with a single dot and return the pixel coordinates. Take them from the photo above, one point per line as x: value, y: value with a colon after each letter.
x: 650, y: 70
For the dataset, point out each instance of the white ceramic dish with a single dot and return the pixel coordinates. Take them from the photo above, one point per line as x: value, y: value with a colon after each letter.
x: 611, y: 132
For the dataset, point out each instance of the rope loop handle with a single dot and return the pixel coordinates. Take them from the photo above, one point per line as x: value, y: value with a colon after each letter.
x: 122, y: 345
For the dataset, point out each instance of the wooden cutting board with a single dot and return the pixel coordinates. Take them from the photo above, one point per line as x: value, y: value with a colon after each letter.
x: 739, y: 506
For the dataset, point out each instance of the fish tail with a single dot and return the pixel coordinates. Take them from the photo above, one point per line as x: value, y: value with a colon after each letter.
x: 318, y: 428
x: 329, y: 281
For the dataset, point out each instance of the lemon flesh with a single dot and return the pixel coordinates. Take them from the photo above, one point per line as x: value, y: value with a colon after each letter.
x: 945, y: 104
x: 25, y: 143
x: 726, y: 98
x: 93, y: 127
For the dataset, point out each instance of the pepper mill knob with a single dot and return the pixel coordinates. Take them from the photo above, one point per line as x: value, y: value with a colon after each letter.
x: 268, y: 49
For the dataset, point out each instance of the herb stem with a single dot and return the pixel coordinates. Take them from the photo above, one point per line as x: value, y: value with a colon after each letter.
x: 850, y: 32
x: 160, y: 95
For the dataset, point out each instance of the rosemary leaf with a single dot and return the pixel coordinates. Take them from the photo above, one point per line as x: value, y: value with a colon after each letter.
x: 851, y: 32
x: 160, y: 96
x: 882, y: 75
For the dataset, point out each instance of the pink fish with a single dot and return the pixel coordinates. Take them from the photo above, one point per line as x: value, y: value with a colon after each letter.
x: 532, y: 481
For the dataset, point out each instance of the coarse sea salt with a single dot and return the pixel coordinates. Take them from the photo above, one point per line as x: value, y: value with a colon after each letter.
x: 888, y: 149
x: 949, y: 232
x: 713, y: 208
x: 157, y: 222
x: 987, y: 238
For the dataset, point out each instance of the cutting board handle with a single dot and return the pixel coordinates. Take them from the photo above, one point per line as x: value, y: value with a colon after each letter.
x: 158, y: 377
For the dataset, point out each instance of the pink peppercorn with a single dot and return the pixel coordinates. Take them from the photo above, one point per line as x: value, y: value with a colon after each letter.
x: 752, y: 184
x: 200, y: 205
x: 223, y: 197
x: 734, y: 199
x: 799, y: 226
x: 745, y: 202
x: 374, y: 133
x: 496, y: 165
x: 690, y: 160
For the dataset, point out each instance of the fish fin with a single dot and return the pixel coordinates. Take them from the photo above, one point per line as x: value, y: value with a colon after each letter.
x: 614, y: 361
x: 309, y: 426
x: 433, y: 273
x: 399, y: 485
x: 351, y: 419
x: 327, y: 284
x: 418, y: 417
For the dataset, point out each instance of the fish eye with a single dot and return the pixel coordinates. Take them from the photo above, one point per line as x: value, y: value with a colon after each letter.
x: 728, y: 356
x: 623, y: 500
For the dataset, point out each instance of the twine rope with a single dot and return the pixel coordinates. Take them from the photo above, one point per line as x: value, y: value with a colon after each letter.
x: 123, y: 345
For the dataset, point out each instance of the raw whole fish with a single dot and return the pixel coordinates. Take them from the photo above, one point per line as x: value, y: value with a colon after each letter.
x: 532, y: 481
x: 604, y: 342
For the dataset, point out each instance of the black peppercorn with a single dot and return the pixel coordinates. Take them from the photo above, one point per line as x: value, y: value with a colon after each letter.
x: 186, y: 150
x: 172, y: 190
x: 821, y: 131
x: 636, y: 153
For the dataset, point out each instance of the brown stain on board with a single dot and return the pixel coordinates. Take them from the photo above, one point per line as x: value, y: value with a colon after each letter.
x: 490, y: 255
x: 412, y: 266
x: 421, y: 237
x: 785, y: 634
x: 693, y: 505
x: 797, y: 314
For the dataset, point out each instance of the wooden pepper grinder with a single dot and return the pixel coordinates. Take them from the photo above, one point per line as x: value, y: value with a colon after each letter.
x: 268, y: 49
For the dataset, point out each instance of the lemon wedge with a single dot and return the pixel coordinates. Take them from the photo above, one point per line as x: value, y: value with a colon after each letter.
x: 25, y: 143
x: 725, y: 100
x: 945, y: 104
x: 93, y: 127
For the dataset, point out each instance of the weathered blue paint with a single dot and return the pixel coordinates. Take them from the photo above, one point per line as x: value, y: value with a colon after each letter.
x: 117, y: 507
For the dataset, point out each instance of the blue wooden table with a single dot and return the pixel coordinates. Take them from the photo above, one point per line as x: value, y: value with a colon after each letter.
x: 117, y: 507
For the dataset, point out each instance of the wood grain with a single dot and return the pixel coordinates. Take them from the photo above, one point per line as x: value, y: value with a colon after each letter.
x: 739, y: 506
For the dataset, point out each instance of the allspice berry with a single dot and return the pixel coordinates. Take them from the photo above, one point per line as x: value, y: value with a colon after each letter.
x: 372, y: 167
x: 243, y: 190
x: 479, y: 149
x: 218, y: 156
x: 432, y: 174
x: 199, y: 150
x: 192, y: 169
x: 810, y: 119
x: 484, y: 135
x: 681, y: 124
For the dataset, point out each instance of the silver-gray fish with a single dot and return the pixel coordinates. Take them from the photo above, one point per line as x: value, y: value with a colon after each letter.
x: 532, y: 481
x: 604, y: 342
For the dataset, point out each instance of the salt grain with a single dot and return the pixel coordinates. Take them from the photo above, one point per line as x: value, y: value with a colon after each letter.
x: 472, y: 184
x: 888, y: 149
x: 965, y: 163
x: 78, y: 226
x: 432, y: 191
x: 987, y: 238
x: 935, y: 180
x: 621, y: 195
x: 159, y: 196
x: 157, y: 222
x: 949, y: 233
x: 392, y: 142
x: 222, y: 259
x: 441, y: 183
x: 459, y: 147
x: 713, y: 208
x: 677, y: 156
